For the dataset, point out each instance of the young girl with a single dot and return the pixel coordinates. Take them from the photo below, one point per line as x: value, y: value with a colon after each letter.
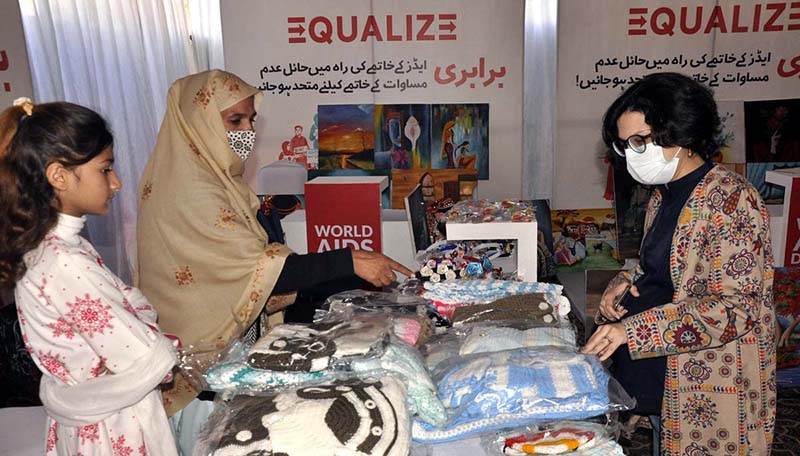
x: 94, y: 338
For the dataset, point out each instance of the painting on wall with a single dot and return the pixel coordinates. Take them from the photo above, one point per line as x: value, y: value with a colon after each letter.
x: 402, y: 136
x: 346, y: 136
x: 585, y: 239
x: 460, y: 137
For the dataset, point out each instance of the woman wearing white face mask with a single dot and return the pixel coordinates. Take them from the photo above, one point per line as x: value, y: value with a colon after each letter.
x: 691, y: 329
x: 204, y: 259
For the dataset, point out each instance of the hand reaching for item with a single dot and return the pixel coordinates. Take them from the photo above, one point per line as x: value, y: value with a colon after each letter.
x: 610, y: 306
x: 605, y: 340
x: 376, y: 268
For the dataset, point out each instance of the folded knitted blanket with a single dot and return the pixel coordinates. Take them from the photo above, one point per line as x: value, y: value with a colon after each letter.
x: 343, y: 418
x: 516, y: 387
x: 493, y: 339
x: 312, y: 347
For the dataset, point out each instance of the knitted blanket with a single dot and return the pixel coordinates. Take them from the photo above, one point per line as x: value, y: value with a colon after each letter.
x: 312, y: 347
x: 343, y: 418
x: 517, y: 387
x: 493, y: 339
x: 447, y: 296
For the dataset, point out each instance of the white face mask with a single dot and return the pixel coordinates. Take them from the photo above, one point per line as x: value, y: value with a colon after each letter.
x: 649, y: 167
x: 242, y: 142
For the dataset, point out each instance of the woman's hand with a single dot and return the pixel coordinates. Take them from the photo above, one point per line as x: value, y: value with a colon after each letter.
x: 610, y: 306
x: 376, y: 268
x: 605, y: 340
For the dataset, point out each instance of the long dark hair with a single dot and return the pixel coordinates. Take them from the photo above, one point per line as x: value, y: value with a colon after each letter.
x: 59, y: 132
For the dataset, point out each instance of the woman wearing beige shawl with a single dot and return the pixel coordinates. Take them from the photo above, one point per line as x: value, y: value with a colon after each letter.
x: 204, y: 261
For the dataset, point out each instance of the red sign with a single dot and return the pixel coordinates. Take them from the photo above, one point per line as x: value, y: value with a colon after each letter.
x: 792, y: 257
x: 344, y: 212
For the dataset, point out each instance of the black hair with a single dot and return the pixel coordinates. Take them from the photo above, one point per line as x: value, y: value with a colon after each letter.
x: 59, y: 132
x: 679, y: 110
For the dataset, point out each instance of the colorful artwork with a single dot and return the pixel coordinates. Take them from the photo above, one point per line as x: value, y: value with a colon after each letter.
x: 786, y: 290
x: 402, y: 136
x: 772, y: 130
x: 731, y: 135
x: 585, y: 239
x: 456, y: 184
x: 346, y: 137
x: 460, y: 137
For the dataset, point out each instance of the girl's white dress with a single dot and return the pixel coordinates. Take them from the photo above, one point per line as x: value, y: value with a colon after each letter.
x: 96, y: 342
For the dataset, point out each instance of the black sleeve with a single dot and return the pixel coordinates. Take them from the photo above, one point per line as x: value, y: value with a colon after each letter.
x: 312, y: 269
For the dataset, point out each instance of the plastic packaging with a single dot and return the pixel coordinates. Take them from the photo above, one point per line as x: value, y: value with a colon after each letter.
x: 576, y: 438
x: 487, y: 392
x: 446, y: 297
x: 487, y: 211
x: 365, y: 417
x: 530, y: 307
x: 234, y: 375
x: 495, y: 336
x: 317, y: 346
x: 451, y: 260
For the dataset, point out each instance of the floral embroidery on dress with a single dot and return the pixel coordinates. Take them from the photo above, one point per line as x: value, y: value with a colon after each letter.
x: 183, y: 276
x: 696, y: 371
x: 716, y: 199
x: 700, y: 411
x: 147, y: 190
x: 226, y: 219
x: 696, y: 450
x: 90, y: 316
x: 52, y: 437
x: 54, y: 364
x: 142, y: 450
x: 119, y: 447
x: 90, y: 433
x: 230, y: 83
x: 686, y: 334
x: 62, y: 328
x: 740, y: 264
x: 99, y: 368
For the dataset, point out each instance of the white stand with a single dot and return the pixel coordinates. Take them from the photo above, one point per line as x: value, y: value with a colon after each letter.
x: 779, y: 215
x: 524, y: 232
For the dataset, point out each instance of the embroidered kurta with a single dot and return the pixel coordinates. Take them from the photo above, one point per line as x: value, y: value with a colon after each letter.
x: 718, y: 333
x: 80, y: 322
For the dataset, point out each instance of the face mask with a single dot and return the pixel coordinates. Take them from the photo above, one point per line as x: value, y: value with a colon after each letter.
x: 649, y: 167
x: 242, y: 141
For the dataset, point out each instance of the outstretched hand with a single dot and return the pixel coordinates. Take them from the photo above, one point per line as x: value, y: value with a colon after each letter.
x: 377, y: 268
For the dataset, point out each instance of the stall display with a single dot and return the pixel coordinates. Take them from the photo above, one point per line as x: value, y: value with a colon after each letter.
x: 486, y: 211
x: 448, y: 296
x: 528, y: 307
x: 576, y: 438
x: 451, y: 260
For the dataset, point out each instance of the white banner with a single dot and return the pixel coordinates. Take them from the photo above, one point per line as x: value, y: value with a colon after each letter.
x: 745, y: 50
x: 15, y: 74
x: 424, y: 85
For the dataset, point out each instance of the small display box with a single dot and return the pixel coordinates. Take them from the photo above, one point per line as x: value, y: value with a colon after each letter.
x: 494, y: 220
x: 344, y: 212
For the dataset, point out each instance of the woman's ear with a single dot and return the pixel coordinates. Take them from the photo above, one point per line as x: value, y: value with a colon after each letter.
x: 57, y: 176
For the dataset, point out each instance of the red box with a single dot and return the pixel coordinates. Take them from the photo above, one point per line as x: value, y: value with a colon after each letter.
x: 344, y: 212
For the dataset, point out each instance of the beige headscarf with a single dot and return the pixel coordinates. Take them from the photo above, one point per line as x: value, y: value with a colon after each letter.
x: 203, y: 259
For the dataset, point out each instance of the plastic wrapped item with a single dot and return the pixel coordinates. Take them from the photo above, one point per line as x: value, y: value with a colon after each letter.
x: 412, y: 318
x: 576, y: 438
x: 317, y: 346
x: 234, y: 375
x: 451, y: 260
x: 488, y: 392
x: 529, y: 307
x: 364, y: 417
x: 496, y: 336
x: 487, y: 211
x: 446, y: 297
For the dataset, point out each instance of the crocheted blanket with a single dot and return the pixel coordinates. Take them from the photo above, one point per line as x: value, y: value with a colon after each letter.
x: 515, y: 388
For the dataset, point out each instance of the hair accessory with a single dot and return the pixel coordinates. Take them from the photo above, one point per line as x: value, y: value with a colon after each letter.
x: 26, y: 104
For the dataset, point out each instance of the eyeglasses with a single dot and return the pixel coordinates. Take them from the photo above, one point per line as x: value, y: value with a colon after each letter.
x: 637, y: 143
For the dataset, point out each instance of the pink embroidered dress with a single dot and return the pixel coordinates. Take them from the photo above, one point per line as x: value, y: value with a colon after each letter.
x: 97, y: 343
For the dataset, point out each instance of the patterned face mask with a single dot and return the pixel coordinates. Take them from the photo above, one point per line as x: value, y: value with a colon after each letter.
x: 242, y: 142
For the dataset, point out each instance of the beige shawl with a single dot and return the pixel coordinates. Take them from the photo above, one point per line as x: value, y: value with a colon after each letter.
x: 203, y: 259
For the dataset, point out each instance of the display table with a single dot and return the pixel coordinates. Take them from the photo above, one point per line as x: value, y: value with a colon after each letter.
x: 394, y: 228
